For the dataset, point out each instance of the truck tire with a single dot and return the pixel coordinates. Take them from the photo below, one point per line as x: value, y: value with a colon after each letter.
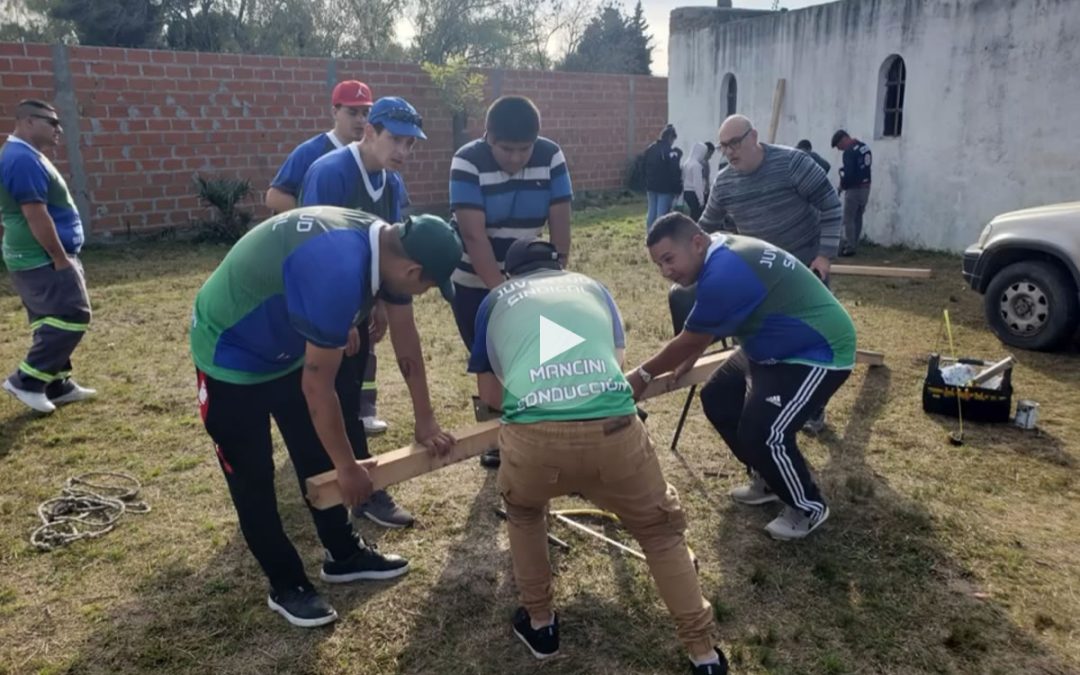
x: 1032, y: 305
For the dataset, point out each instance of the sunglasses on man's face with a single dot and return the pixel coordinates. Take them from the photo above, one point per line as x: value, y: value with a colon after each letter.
x: 53, y: 121
x: 401, y: 116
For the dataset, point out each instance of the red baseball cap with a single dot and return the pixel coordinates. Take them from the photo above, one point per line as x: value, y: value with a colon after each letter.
x: 352, y: 93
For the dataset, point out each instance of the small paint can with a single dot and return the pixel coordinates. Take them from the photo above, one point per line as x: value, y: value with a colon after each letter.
x: 1027, y: 414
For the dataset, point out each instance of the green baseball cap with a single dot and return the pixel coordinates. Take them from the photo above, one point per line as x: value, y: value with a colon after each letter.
x: 432, y: 242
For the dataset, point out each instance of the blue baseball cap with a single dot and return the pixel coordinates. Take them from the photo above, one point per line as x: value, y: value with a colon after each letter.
x: 398, y: 116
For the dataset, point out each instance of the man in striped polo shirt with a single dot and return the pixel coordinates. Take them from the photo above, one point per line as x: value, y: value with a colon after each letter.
x: 504, y: 187
x: 777, y: 194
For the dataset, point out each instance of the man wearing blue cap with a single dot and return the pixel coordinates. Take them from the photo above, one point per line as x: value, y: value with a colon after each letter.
x: 363, y: 176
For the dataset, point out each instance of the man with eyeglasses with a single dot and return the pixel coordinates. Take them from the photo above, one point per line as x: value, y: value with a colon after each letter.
x: 363, y: 176
x: 43, y: 234
x: 779, y: 195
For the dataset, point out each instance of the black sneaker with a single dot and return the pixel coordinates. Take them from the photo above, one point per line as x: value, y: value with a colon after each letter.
x: 302, y: 607
x: 543, y: 643
x: 490, y: 459
x: 712, y: 668
x: 367, y: 563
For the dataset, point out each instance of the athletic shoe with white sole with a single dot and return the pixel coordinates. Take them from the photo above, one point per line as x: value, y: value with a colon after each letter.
x: 73, y: 394
x: 302, y: 607
x: 381, y: 509
x: 32, y: 399
x: 365, y: 564
x: 719, y: 667
x: 373, y: 426
x: 542, y: 642
x: 794, y: 524
x: 755, y: 493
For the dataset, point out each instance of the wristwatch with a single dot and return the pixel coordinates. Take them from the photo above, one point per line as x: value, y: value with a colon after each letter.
x: 644, y: 375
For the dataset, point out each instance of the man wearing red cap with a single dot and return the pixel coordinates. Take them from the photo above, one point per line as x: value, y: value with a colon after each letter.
x: 352, y: 102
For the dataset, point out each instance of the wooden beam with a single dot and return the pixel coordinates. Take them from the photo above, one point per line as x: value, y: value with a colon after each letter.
x: 777, y: 103
x: 415, y: 460
x: 875, y: 271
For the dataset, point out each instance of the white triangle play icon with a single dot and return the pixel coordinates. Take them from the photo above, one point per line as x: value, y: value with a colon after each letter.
x: 554, y: 339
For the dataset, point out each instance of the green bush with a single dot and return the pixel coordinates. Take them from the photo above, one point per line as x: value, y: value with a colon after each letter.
x: 224, y: 195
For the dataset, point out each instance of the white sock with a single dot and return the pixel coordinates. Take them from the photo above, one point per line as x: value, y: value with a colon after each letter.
x: 712, y: 659
x: 550, y: 622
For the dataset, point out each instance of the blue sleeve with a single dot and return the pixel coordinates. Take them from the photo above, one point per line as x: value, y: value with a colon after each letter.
x: 465, y: 185
x: 290, y: 176
x: 726, y: 295
x: 616, y: 319
x: 324, y: 186
x: 479, y: 361
x: 26, y: 179
x: 561, y: 189
x: 324, y: 287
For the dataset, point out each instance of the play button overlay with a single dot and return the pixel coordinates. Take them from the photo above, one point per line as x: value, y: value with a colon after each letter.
x: 554, y: 339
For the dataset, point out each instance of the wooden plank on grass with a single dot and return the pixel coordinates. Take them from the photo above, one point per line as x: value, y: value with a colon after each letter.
x: 415, y: 460
x: 876, y: 271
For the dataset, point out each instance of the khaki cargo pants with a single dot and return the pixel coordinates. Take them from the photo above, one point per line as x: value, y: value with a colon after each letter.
x: 613, y: 464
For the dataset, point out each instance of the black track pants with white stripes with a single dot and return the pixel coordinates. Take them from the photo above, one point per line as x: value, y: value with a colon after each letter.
x: 758, y: 410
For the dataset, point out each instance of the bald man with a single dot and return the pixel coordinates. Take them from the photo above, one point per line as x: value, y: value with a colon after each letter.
x: 774, y: 193
x: 777, y: 194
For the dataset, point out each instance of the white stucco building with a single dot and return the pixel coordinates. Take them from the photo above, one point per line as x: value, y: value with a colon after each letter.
x: 982, y: 115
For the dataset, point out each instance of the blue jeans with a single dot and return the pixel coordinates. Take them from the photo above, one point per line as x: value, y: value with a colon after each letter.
x: 660, y: 203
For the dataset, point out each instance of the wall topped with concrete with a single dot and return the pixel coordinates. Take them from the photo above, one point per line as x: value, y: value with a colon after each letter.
x: 991, y: 109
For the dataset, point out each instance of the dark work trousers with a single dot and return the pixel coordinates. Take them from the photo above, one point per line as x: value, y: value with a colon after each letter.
x: 58, y: 308
x: 855, y: 200
x: 758, y: 410
x: 237, y: 417
x: 369, y: 389
x: 692, y: 203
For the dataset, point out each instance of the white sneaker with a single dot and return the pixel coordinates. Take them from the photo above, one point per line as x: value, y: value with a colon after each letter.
x: 757, y: 492
x: 373, y: 426
x: 794, y: 524
x: 76, y: 394
x: 34, y: 399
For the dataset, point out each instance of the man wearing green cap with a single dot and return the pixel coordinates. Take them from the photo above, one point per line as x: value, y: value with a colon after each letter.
x: 268, y: 332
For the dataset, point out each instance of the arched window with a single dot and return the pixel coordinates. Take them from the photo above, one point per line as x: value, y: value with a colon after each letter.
x: 893, y: 80
x: 729, y: 94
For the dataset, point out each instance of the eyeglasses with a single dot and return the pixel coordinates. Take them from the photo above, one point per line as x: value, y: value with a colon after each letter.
x: 399, y: 115
x: 51, y: 120
x: 734, y: 143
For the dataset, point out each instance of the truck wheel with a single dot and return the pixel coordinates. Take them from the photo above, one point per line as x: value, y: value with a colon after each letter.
x: 1032, y: 305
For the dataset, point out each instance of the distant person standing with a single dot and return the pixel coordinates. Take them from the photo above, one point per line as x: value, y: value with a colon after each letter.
x: 43, y: 234
x: 855, y: 186
x: 805, y: 146
x: 694, y: 171
x: 663, y: 175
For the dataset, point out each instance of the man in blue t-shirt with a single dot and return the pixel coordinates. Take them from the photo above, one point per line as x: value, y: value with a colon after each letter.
x: 504, y: 187
x: 363, y: 176
x: 43, y: 234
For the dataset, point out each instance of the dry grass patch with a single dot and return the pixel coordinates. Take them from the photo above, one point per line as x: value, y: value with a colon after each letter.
x: 936, y: 560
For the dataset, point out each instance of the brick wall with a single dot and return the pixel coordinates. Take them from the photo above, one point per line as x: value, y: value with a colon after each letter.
x: 147, y: 121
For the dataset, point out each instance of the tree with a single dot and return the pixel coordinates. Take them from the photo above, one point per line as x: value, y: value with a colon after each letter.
x: 113, y: 23
x: 613, y: 43
x: 461, y: 91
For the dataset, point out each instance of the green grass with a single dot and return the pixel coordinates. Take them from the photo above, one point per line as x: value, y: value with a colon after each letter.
x: 937, y: 559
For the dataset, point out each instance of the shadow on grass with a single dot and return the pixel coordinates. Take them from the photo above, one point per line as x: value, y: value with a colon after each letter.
x: 873, y: 591
x: 213, y: 618
x: 11, y: 428
x: 464, y: 626
x: 1005, y: 438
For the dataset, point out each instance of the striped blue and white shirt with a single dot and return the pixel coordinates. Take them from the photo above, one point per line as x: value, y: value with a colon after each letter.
x: 515, y: 206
